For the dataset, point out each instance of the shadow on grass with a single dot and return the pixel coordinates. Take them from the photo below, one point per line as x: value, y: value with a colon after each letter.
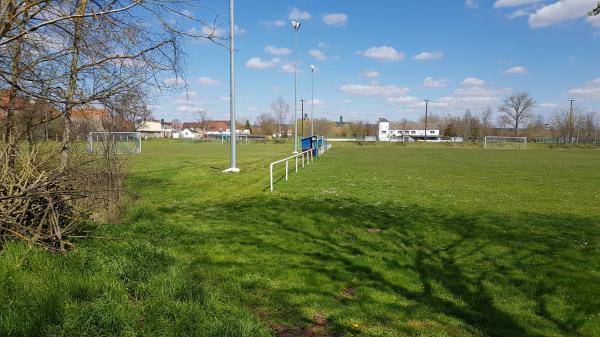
x: 487, y: 274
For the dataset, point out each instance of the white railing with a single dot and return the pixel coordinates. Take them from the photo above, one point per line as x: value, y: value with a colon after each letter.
x: 308, y: 154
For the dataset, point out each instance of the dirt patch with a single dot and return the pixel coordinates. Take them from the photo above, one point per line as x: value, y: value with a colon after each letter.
x: 348, y: 292
x: 301, y: 332
x: 320, y: 319
x: 374, y: 230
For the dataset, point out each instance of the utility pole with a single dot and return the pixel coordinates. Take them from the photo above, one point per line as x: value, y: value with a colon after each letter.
x: 233, y: 168
x: 426, y: 112
x: 570, y: 126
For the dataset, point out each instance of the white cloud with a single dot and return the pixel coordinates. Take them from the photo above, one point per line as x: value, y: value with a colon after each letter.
x: 258, y: 63
x: 513, y: 3
x: 518, y: 70
x: 590, y: 90
x: 317, y: 102
x: 471, y: 3
x: 335, y: 19
x: 518, y: 13
x: 435, y: 83
x: 426, y: 55
x: 297, y: 14
x: 472, y: 81
x: 561, y: 11
x: 175, y: 81
x: 212, y: 31
x: 289, y: 68
x: 274, y: 23
x: 207, y: 81
x: 384, y: 53
x: 403, y: 99
x: 549, y: 105
x: 277, y: 51
x: 187, y: 108
x: 371, y: 74
x: 317, y: 54
x: 239, y: 31
x: 322, y: 45
x: 474, y: 93
x: 374, y: 89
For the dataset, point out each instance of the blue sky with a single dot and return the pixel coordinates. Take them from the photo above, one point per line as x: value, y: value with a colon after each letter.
x: 381, y: 58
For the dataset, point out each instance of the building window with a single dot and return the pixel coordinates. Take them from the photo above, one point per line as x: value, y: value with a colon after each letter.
x: 413, y: 132
x: 432, y: 132
x: 383, y: 132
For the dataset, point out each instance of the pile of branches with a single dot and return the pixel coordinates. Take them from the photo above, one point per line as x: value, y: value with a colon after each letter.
x: 43, y: 203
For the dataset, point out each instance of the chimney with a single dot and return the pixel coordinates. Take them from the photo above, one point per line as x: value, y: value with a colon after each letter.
x: 341, y: 119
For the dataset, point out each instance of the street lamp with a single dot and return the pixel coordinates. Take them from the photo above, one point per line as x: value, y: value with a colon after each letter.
x: 296, y: 26
x: 312, y: 107
x: 232, y: 137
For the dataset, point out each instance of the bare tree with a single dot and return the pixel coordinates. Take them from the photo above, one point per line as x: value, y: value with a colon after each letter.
x: 266, y: 124
x: 201, y: 117
x: 516, y: 110
x: 280, y: 109
x: 486, y: 121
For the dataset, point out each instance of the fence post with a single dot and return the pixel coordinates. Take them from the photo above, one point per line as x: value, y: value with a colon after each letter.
x: 271, y: 176
x: 286, y: 170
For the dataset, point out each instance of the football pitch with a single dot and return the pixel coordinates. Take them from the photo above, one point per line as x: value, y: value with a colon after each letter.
x: 384, y: 240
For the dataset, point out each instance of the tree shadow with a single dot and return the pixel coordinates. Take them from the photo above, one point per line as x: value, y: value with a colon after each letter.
x: 495, y: 273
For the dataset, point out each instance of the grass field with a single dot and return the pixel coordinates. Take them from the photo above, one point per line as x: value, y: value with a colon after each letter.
x: 368, y: 241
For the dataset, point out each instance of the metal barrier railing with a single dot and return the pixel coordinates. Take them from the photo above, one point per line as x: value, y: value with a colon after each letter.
x: 308, y: 154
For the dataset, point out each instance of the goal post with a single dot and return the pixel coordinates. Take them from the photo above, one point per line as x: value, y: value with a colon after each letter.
x: 500, y: 142
x: 116, y: 142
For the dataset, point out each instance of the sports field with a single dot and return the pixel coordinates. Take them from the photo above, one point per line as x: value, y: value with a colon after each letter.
x: 368, y: 241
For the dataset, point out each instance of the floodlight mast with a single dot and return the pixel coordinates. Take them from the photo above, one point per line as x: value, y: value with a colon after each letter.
x: 312, y: 102
x: 233, y: 168
x: 296, y: 26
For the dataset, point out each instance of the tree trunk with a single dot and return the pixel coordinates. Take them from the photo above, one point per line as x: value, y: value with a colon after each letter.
x: 10, y: 109
x: 72, y: 86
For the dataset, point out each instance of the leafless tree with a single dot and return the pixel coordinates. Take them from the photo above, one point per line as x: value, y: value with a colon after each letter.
x: 486, y: 119
x: 267, y: 124
x: 280, y: 109
x: 516, y: 110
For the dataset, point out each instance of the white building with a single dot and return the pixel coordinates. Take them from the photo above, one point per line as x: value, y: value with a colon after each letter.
x: 188, y: 134
x: 387, y: 131
x: 152, y: 128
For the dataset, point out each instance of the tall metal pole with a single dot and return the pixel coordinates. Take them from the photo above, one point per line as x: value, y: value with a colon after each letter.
x: 426, y: 111
x: 296, y: 27
x: 232, y: 130
x: 302, y: 116
x: 312, y: 102
x: 570, y: 129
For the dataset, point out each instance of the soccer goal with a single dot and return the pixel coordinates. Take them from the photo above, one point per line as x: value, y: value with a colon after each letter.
x: 498, y: 142
x: 115, y: 142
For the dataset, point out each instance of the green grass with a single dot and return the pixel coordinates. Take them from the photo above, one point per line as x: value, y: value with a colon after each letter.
x: 471, y: 243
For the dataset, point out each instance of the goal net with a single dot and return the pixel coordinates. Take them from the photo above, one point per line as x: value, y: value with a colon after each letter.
x: 114, y: 142
x: 497, y: 142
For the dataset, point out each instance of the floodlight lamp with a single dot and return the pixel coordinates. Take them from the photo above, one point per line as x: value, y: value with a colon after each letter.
x: 296, y: 25
x: 312, y: 67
